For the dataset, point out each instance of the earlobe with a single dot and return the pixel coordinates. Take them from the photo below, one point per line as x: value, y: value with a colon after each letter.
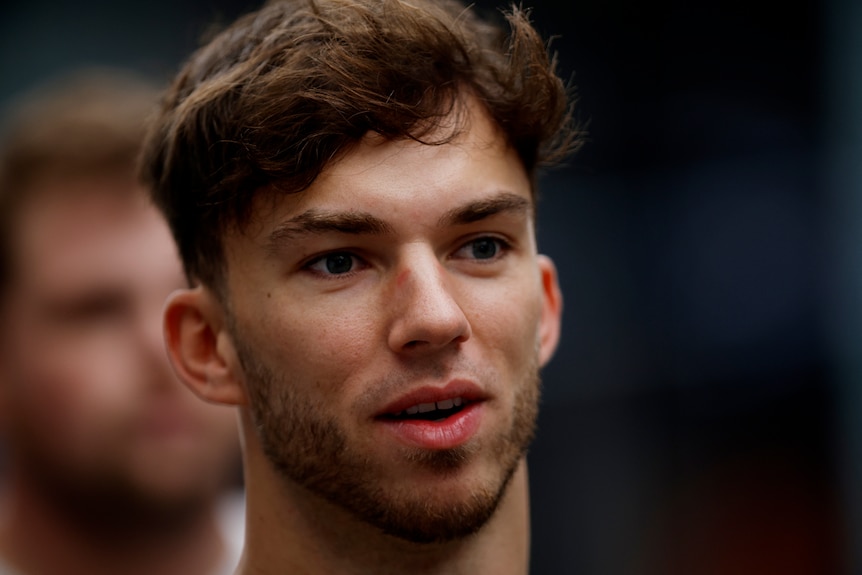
x: 200, y: 349
x: 552, y: 309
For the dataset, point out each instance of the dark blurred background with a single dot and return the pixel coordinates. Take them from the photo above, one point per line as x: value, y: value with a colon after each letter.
x: 702, y: 415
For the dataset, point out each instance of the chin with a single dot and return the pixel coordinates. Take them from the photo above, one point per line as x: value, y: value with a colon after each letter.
x: 445, y: 509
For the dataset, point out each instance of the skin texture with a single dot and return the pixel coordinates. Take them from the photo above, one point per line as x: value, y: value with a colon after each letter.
x: 437, y: 280
x: 108, y: 453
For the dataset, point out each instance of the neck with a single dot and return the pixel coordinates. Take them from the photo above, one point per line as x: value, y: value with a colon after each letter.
x: 31, y: 524
x: 290, y: 532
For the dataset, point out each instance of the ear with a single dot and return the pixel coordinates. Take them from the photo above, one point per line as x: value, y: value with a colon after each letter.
x: 552, y: 310
x: 200, y: 348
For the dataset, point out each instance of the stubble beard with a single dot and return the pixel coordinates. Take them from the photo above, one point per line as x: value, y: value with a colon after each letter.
x: 106, y: 501
x: 307, y: 446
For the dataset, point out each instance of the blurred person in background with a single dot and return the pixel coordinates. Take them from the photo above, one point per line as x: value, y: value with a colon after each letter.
x: 111, y: 466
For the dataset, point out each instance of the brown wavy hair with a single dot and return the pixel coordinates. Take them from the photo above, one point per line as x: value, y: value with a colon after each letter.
x: 277, y: 96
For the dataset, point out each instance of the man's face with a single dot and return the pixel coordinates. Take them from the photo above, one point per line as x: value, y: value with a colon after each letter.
x: 89, y: 403
x: 390, y: 323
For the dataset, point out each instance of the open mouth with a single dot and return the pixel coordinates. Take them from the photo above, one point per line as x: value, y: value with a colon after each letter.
x: 436, y: 411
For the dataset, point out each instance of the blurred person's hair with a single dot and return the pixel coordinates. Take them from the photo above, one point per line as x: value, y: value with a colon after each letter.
x: 86, y: 124
x: 282, y: 93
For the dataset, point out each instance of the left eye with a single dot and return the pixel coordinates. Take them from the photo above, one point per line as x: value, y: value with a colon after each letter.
x: 485, y: 248
x: 334, y: 264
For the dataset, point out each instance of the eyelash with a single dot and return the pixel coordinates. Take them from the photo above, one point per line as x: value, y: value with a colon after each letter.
x: 309, y: 266
x: 503, y: 247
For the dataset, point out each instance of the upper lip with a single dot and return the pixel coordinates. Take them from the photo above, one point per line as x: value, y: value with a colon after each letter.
x: 466, y: 390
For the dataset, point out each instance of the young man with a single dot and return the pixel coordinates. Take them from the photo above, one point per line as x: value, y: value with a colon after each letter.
x: 351, y: 186
x: 110, y: 465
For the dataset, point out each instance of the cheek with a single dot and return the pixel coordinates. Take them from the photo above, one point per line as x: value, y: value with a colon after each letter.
x: 80, y: 390
x: 506, y: 319
x: 324, y: 342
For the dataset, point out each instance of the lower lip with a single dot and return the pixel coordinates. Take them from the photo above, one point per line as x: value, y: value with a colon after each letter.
x: 453, y: 431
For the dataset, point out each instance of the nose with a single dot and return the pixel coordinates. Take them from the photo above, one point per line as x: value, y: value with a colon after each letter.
x: 425, y: 311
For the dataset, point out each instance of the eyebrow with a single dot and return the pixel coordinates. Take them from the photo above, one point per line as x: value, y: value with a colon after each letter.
x: 318, y: 222
x: 315, y: 222
x: 474, y: 211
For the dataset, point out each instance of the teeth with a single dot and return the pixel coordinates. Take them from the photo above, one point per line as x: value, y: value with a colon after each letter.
x: 446, y: 404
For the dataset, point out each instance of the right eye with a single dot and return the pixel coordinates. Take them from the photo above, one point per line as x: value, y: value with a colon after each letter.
x: 92, y: 309
x: 334, y: 264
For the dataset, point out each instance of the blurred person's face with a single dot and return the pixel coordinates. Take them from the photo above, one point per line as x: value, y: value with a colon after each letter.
x: 90, y: 406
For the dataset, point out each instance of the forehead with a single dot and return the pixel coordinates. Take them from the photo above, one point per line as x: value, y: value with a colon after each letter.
x: 404, y: 180
x: 74, y: 229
